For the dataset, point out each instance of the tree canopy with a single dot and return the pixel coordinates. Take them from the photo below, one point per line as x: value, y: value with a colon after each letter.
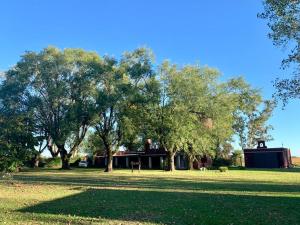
x: 55, y: 97
x: 56, y: 86
x: 284, y: 22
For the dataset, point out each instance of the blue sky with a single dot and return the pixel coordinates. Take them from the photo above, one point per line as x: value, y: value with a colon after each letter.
x: 225, y: 34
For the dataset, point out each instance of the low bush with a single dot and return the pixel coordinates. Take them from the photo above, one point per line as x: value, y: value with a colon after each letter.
x: 53, y: 162
x: 7, y: 178
x: 217, y: 162
x: 42, y: 163
x: 223, y: 168
x: 237, y: 158
x: 74, y: 162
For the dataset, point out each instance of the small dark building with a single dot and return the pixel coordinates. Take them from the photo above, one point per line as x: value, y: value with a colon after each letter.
x: 264, y: 157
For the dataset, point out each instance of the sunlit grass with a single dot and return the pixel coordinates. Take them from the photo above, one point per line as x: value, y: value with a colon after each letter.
x: 90, y: 196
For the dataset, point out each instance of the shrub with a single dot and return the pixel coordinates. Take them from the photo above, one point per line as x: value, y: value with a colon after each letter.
x: 10, y: 165
x: 53, y: 162
x: 74, y: 162
x: 237, y: 158
x: 7, y: 178
x: 14, y: 167
x: 42, y: 163
x: 32, y: 162
x: 223, y: 168
x: 217, y: 162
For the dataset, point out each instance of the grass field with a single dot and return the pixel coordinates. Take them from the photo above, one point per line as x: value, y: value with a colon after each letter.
x: 90, y: 196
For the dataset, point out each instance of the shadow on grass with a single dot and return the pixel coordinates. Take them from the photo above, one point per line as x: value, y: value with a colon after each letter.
x: 283, y: 170
x: 160, y: 183
x: 173, y: 208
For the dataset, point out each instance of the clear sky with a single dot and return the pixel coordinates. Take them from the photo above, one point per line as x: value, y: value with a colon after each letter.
x: 225, y: 34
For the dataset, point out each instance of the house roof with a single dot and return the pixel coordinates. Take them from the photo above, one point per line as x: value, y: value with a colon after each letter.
x: 263, y: 150
x: 150, y: 152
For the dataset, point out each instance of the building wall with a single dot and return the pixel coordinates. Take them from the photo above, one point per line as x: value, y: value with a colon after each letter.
x: 150, y: 162
x: 267, y: 158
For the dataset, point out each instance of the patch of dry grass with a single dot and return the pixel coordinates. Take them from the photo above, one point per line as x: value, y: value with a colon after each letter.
x: 296, y: 161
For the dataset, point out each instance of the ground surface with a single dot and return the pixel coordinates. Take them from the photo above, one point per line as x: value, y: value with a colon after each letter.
x: 90, y: 196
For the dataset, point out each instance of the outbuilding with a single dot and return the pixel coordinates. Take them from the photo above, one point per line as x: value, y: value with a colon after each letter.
x: 264, y: 157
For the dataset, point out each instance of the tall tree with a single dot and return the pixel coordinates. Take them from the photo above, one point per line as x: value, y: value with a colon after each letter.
x: 16, y: 127
x: 137, y: 119
x: 184, y: 111
x: 118, y: 91
x: 223, y: 117
x: 284, y: 21
x: 251, y: 114
x: 58, y: 86
x: 168, y: 116
x: 194, y: 89
x: 208, y: 103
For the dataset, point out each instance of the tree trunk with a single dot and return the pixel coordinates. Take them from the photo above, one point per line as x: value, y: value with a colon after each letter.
x: 52, y: 152
x: 65, y: 158
x: 109, y: 166
x: 190, y: 162
x: 170, y: 161
x: 35, y: 161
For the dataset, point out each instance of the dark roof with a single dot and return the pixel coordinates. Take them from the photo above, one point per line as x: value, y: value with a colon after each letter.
x: 258, y: 150
x: 150, y: 152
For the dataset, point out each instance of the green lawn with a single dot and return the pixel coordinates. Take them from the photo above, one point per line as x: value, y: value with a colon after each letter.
x: 90, y: 196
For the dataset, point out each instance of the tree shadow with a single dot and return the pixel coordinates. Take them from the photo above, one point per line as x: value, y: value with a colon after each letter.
x: 173, y: 207
x: 162, y: 183
x: 283, y: 170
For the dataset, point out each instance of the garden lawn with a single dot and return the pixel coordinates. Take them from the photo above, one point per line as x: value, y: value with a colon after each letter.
x: 90, y: 196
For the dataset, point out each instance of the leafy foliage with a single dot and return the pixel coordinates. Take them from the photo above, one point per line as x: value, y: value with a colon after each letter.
x: 284, y: 22
x: 251, y: 113
x: 56, y: 85
x: 16, y: 128
x: 223, y: 168
x: 120, y: 91
x: 53, y: 98
x: 237, y: 158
